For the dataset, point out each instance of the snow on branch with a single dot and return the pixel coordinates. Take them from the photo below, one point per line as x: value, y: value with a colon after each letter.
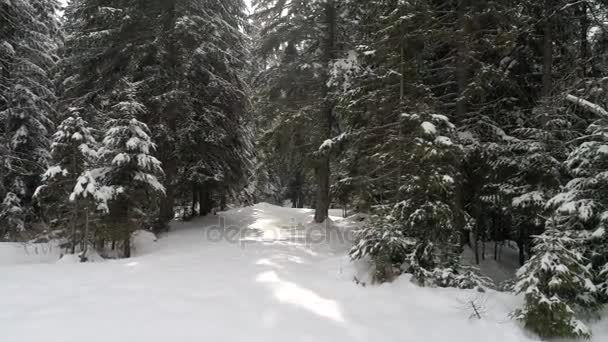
x: 592, y: 107
x: 329, y: 144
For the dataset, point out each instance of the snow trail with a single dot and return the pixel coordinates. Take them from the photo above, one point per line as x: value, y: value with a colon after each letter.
x: 267, y: 275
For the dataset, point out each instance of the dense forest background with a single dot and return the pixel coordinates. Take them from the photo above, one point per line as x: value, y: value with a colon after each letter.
x: 450, y: 122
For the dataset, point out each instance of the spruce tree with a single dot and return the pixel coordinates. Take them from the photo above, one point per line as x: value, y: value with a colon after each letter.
x: 73, y: 154
x: 581, y: 207
x: 199, y: 112
x: 300, y: 42
x: 557, y: 287
x: 422, y: 219
x: 28, y: 44
x: 128, y: 168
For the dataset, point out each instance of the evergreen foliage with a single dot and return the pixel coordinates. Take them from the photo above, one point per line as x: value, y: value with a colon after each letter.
x: 29, y: 36
x: 557, y: 285
x: 73, y: 153
x: 453, y: 123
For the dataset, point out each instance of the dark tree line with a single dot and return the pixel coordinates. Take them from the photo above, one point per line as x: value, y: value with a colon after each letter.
x: 116, y: 113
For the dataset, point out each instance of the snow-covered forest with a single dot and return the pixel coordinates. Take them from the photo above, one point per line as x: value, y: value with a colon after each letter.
x: 311, y: 170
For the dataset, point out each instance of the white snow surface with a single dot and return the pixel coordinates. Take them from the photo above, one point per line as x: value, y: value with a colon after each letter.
x: 429, y: 128
x: 268, y: 283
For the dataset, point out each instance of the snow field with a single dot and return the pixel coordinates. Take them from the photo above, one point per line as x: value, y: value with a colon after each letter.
x: 268, y: 285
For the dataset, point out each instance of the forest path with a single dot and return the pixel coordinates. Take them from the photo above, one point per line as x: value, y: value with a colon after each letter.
x: 256, y: 279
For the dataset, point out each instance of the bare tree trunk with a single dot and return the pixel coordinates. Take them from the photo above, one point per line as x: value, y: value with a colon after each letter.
x: 322, y: 207
x: 297, y: 189
x: 476, y: 242
x: 547, y: 52
x: 166, y: 150
x: 166, y: 211
x: 85, y: 248
x: 461, y: 61
x: 73, y: 233
x: 521, y: 245
x: 195, y: 200
x: 323, y: 169
x: 205, y: 201
x: 127, y: 246
x: 223, y: 200
x: 584, y: 45
x: 100, y: 242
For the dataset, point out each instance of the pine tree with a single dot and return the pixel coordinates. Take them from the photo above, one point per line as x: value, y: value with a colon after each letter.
x: 189, y: 81
x: 128, y: 168
x: 300, y: 43
x: 557, y: 287
x: 73, y: 154
x: 424, y: 214
x: 28, y: 43
x: 581, y: 207
x: 194, y: 87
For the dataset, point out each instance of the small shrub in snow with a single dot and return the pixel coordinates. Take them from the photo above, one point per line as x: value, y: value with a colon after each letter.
x: 557, y: 287
x: 419, y: 234
x: 392, y: 253
x: 428, y: 270
x: 12, y: 216
x: 458, y: 277
x: 475, y: 306
x: 384, y: 243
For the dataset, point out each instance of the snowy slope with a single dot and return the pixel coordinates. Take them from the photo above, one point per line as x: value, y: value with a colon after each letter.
x: 268, y: 275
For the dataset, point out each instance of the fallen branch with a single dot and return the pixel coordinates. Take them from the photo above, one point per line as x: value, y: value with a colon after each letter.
x: 592, y: 107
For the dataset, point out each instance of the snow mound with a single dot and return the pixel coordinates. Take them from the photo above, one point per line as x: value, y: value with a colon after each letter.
x: 91, y: 256
x: 29, y: 253
x: 143, y: 242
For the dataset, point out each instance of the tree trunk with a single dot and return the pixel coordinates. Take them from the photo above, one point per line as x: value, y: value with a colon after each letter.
x: 223, y: 200
x: 297, y: 189
x: 127, y: 246
x: 73, y: 233
x: 166, y: 211
x: 476, y: 242
x: 205, y: 201
x: 521, y: 245
x: 322, y: 206
x: 168, y: 118
x: 85, y: 247
x: 547, y: 52
x: 461, y: 61
x: 476, y: 249
x: 584, y: 45
x: 195, y: 200
x: 323, y: 169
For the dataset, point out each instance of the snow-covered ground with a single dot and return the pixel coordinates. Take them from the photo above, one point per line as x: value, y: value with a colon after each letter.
x: 267, y: 275
x: 500, y: 270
